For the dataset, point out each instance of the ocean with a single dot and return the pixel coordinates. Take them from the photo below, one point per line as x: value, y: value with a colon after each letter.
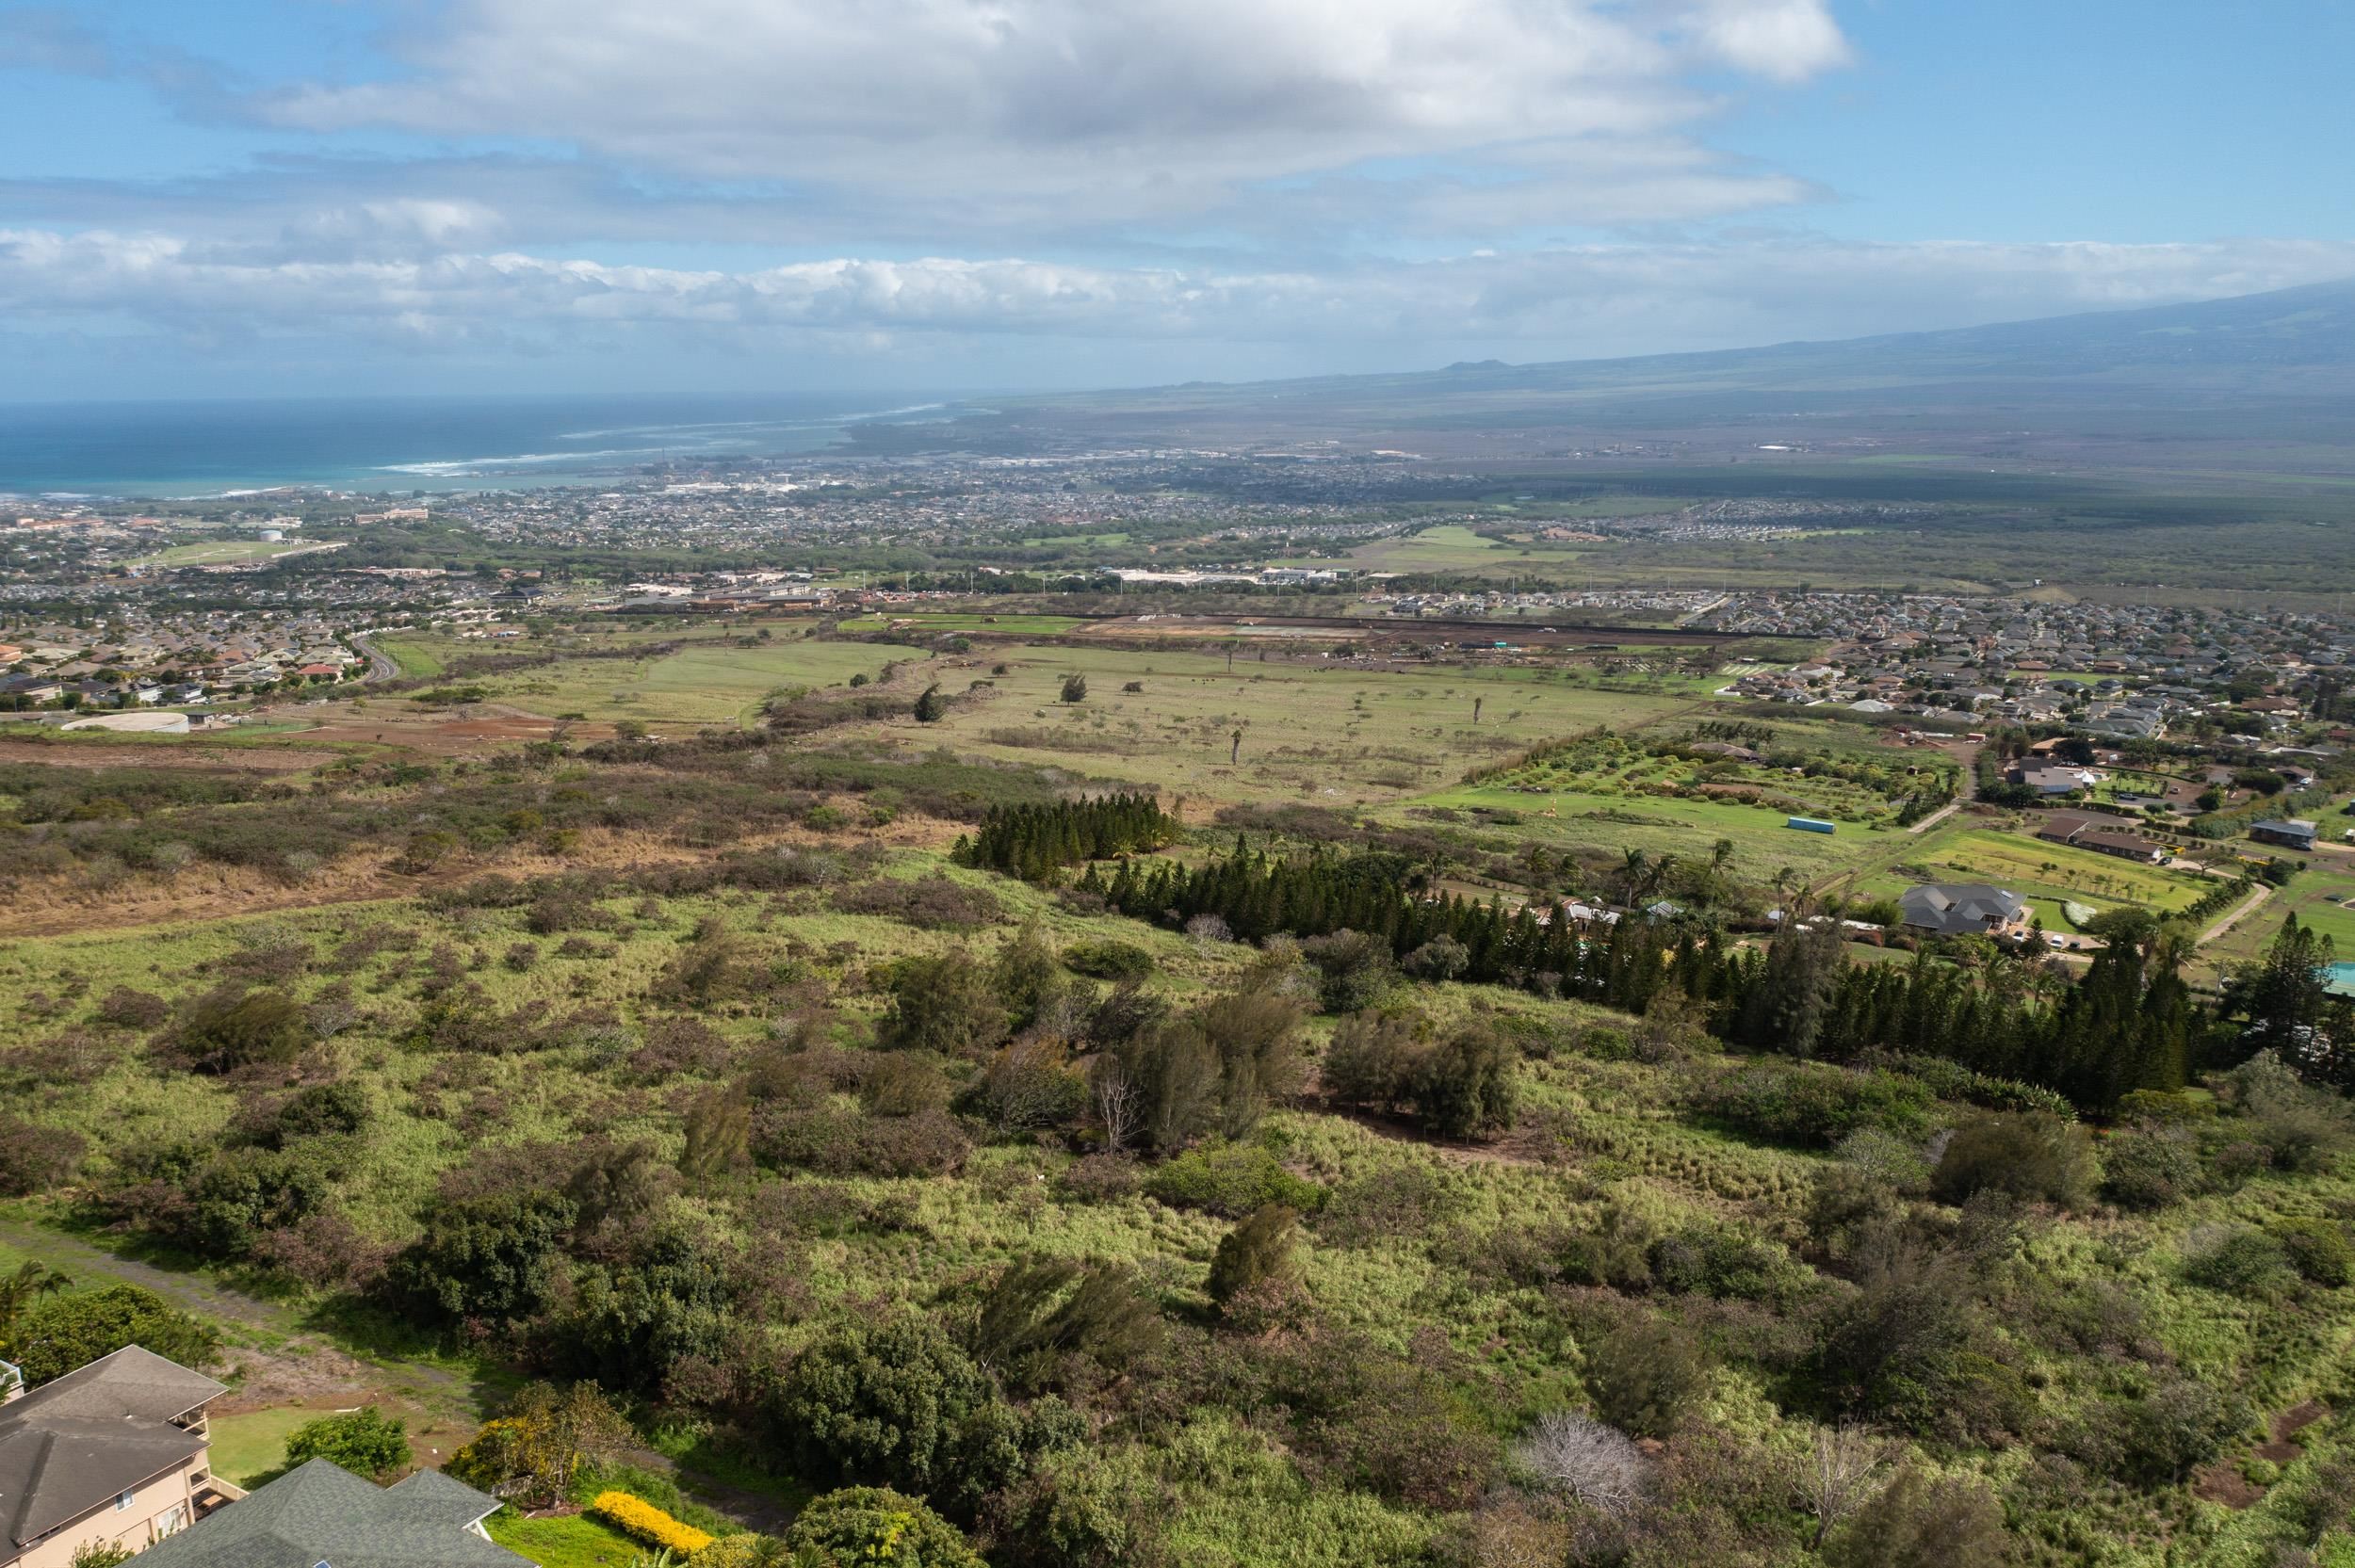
x: 404, y: 444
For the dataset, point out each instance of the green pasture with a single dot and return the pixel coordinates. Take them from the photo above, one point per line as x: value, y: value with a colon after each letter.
x: 421, y: 656
x: 1312, y: 731
x: 227, y: 552
x: 2317, y: 895
x: 1762, y: 844
x: 708, y: 681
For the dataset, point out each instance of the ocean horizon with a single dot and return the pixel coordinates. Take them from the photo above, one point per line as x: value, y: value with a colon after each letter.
x: 186, y: 449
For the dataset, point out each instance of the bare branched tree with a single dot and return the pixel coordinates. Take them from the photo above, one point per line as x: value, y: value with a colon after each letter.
x: 1841, y: 1472
x: 1583, y: 1459
x: 1118, y: 1105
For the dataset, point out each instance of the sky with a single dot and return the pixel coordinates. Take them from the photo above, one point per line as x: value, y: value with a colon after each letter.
x: 250, y: 198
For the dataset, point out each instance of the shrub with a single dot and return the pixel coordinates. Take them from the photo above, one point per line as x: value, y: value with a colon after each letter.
x: 867, y: 1527
x: 1814, y: 1102
x: 2150, y: 1168
x: 34, y: 1159
x: 646, y: 1524
x: 1259, y: 1252
x: 945, y: 1003
x: 899, y: 1403
x: 55, y: 1336
x: 1075, y: 689
x: 929, y: 903
x: 1458, y: 1084
x: 230, y: 1027
x: 1109, y: 960
x: 1586, y: 1461
x: 126, y: 1009
x: 2236, y: 1259
x: 2160, y: 1438
x: 2034, y: 1157
x: 364, y: 1442
x: 1230, y: 1180
x: 2317, y: 1249
x: 1647, y: 1376
x: 1920, y: 1521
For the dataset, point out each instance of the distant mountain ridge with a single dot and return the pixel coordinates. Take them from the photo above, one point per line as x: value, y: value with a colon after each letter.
x: 2311, y: 327
x: 2165, y: 385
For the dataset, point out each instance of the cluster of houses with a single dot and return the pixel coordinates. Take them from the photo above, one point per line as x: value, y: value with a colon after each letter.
x: 116, y: 1456
x: 172, y: 664
x: 2131, y: 669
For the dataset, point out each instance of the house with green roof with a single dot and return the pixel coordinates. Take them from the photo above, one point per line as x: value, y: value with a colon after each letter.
x: 319, y: 1515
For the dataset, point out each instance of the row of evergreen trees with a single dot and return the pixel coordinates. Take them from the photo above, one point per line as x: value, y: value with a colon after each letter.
x: 1034, y: 842
x: 2130, y: 1022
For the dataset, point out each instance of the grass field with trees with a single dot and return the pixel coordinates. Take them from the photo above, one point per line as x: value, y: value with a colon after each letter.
x: 1255, y: 1194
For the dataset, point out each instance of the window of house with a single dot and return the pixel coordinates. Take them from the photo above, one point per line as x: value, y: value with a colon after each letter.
x: 122, y: 1502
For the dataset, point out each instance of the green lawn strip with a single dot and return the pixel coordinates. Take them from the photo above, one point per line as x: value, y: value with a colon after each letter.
x: 571, y: 1542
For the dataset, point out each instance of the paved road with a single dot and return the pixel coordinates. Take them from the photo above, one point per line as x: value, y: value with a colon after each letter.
x: 383, y: 667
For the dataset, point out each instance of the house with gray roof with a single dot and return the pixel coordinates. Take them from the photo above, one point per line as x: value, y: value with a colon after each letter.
x: 1964, y: 908
x: 319, y: 1513
x: 111, y: 1454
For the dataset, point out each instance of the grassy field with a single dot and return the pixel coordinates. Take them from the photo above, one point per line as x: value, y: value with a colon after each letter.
x: 420, y: 656
x: 711, y: 680
x: 2322, y: 897
x: 1311, y: 731
x: 229, y: 552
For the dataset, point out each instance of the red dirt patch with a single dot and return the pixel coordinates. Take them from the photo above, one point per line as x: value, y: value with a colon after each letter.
x: 2222, y: 1483
x: 2298, y: 1418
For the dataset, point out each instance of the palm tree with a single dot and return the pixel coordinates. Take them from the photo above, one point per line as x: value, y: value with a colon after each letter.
x: 19, y: 1290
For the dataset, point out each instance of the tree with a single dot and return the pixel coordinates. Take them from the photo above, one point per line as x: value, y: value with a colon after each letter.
x: 29, y: 1283
x: 870, y: 1526
x: 1258, y: 1251
x: 1787, y: 1006
x: 58, y: 1335
x: 546, y: 1436
x: 1075, y: 689
x: 364, y: 1442
x: 1839, y: 1473
x: 931, y: 706
x: 2286, y: 993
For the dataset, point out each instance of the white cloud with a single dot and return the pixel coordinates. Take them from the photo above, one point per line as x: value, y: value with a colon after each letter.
x: 1563, y: 303
x: 1101, y: 110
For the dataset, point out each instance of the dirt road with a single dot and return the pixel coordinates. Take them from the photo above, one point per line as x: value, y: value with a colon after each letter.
x: 2248, y: 906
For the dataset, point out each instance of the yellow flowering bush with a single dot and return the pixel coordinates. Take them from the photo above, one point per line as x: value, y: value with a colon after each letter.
x: 641, y: 1520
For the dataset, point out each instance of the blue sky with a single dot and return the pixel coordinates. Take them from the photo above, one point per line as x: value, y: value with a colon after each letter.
x: 249, y: 196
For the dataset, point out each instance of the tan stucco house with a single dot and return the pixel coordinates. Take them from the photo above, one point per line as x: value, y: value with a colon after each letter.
x: 114, y: 1453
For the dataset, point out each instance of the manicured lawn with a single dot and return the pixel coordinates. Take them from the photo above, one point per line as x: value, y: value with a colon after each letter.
x: 567, y: 1543
x: 251, y: 1447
